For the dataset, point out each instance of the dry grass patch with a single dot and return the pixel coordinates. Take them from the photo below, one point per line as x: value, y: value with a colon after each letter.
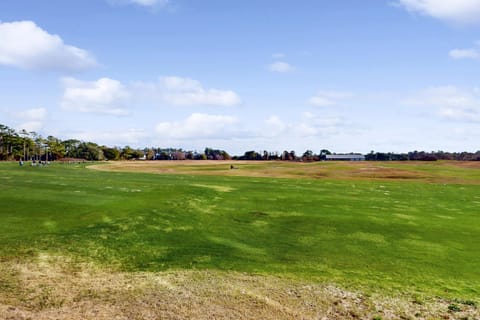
x: 465, y: 164
x: 54, y: 287
x: 363, y: 170
x: 207, y: 167
x: 374, y: 172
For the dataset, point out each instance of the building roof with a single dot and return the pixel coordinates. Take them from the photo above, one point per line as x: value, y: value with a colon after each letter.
x: 344, y: 156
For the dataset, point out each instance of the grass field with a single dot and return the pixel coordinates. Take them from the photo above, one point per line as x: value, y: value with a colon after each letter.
x: 387, y: 229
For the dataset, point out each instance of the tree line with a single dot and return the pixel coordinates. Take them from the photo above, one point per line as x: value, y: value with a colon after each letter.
x: 23, y: 145
x: 423, y: 156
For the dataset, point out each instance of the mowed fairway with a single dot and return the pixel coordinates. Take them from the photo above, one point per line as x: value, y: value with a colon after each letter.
x: 394, y: 229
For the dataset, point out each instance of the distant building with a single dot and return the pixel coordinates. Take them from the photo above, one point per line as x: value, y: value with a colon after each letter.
x: 345, y: 157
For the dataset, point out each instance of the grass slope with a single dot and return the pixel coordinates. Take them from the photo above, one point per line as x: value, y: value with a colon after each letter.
x: 374, y: 235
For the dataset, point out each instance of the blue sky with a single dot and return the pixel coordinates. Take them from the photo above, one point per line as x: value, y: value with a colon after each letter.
x: 349, y: 76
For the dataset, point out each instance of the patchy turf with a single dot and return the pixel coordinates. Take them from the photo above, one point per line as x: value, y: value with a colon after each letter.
x: 434, y: 172
x: 53, y: 287
x: 363, y: 234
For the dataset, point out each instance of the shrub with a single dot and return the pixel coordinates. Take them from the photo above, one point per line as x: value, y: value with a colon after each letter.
x: 454, y: 308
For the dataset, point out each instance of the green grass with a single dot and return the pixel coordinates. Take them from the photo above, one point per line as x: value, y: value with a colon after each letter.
x: 390, y: 236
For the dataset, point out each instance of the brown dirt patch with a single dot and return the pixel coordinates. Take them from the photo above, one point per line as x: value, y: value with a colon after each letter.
x: 56, y: 288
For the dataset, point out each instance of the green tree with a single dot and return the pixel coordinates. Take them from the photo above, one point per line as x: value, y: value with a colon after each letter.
x: 127, y: 153
x: 149, y: 153
x: 90, y: 151
x: 71, y: 148
x: 308, y: 155
x: 8, y: 139
x: 25, y: 137
x: 111, y: 153
x: 56, y: 148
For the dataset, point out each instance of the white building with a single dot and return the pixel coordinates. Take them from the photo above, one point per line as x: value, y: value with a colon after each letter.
x: 345, y: 157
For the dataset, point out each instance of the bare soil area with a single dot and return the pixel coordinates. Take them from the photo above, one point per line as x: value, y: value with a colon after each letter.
x: 52, y: 287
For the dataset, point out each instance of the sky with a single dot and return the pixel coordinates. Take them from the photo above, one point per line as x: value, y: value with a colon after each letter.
x: 346, y: 75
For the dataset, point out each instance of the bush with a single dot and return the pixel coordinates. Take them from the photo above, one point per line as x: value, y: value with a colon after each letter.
x: 467, y: 302
x: 454, y: 308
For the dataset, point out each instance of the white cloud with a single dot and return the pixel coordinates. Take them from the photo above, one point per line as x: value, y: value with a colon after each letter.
x: 31, y: 119
x: 450, y: 102
x: 329, y: 98
x: 31, y: 126
x: 281, y: 67
x: 201, y: 129
x: 461, y: 114
x: 464, y: 54
x: 199, y: 126
x: 274, y: 126
x: 133, y: 137
x: 109, y: 96
x: 459, y: 11
x: 310, y: 125
x: 35, y: 114
x: 314, y: 125
x: 104, y: 96
x: 471, y: 53
x: 25, y: 45
x: 187, y: 92
x: 143, y: 3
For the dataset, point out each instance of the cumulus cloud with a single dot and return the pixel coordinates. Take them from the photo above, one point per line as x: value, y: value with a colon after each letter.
x: 459, y: 11
x: 199, y: 126
x: 186, y: 92
x: 110, y: 96
x: 129, y: 136
x: 329, y: 98
x: 280, y: 67
x: 25, y: 45
x: 309, y: 125
x: 103, y: 96
x: 450, y: 102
